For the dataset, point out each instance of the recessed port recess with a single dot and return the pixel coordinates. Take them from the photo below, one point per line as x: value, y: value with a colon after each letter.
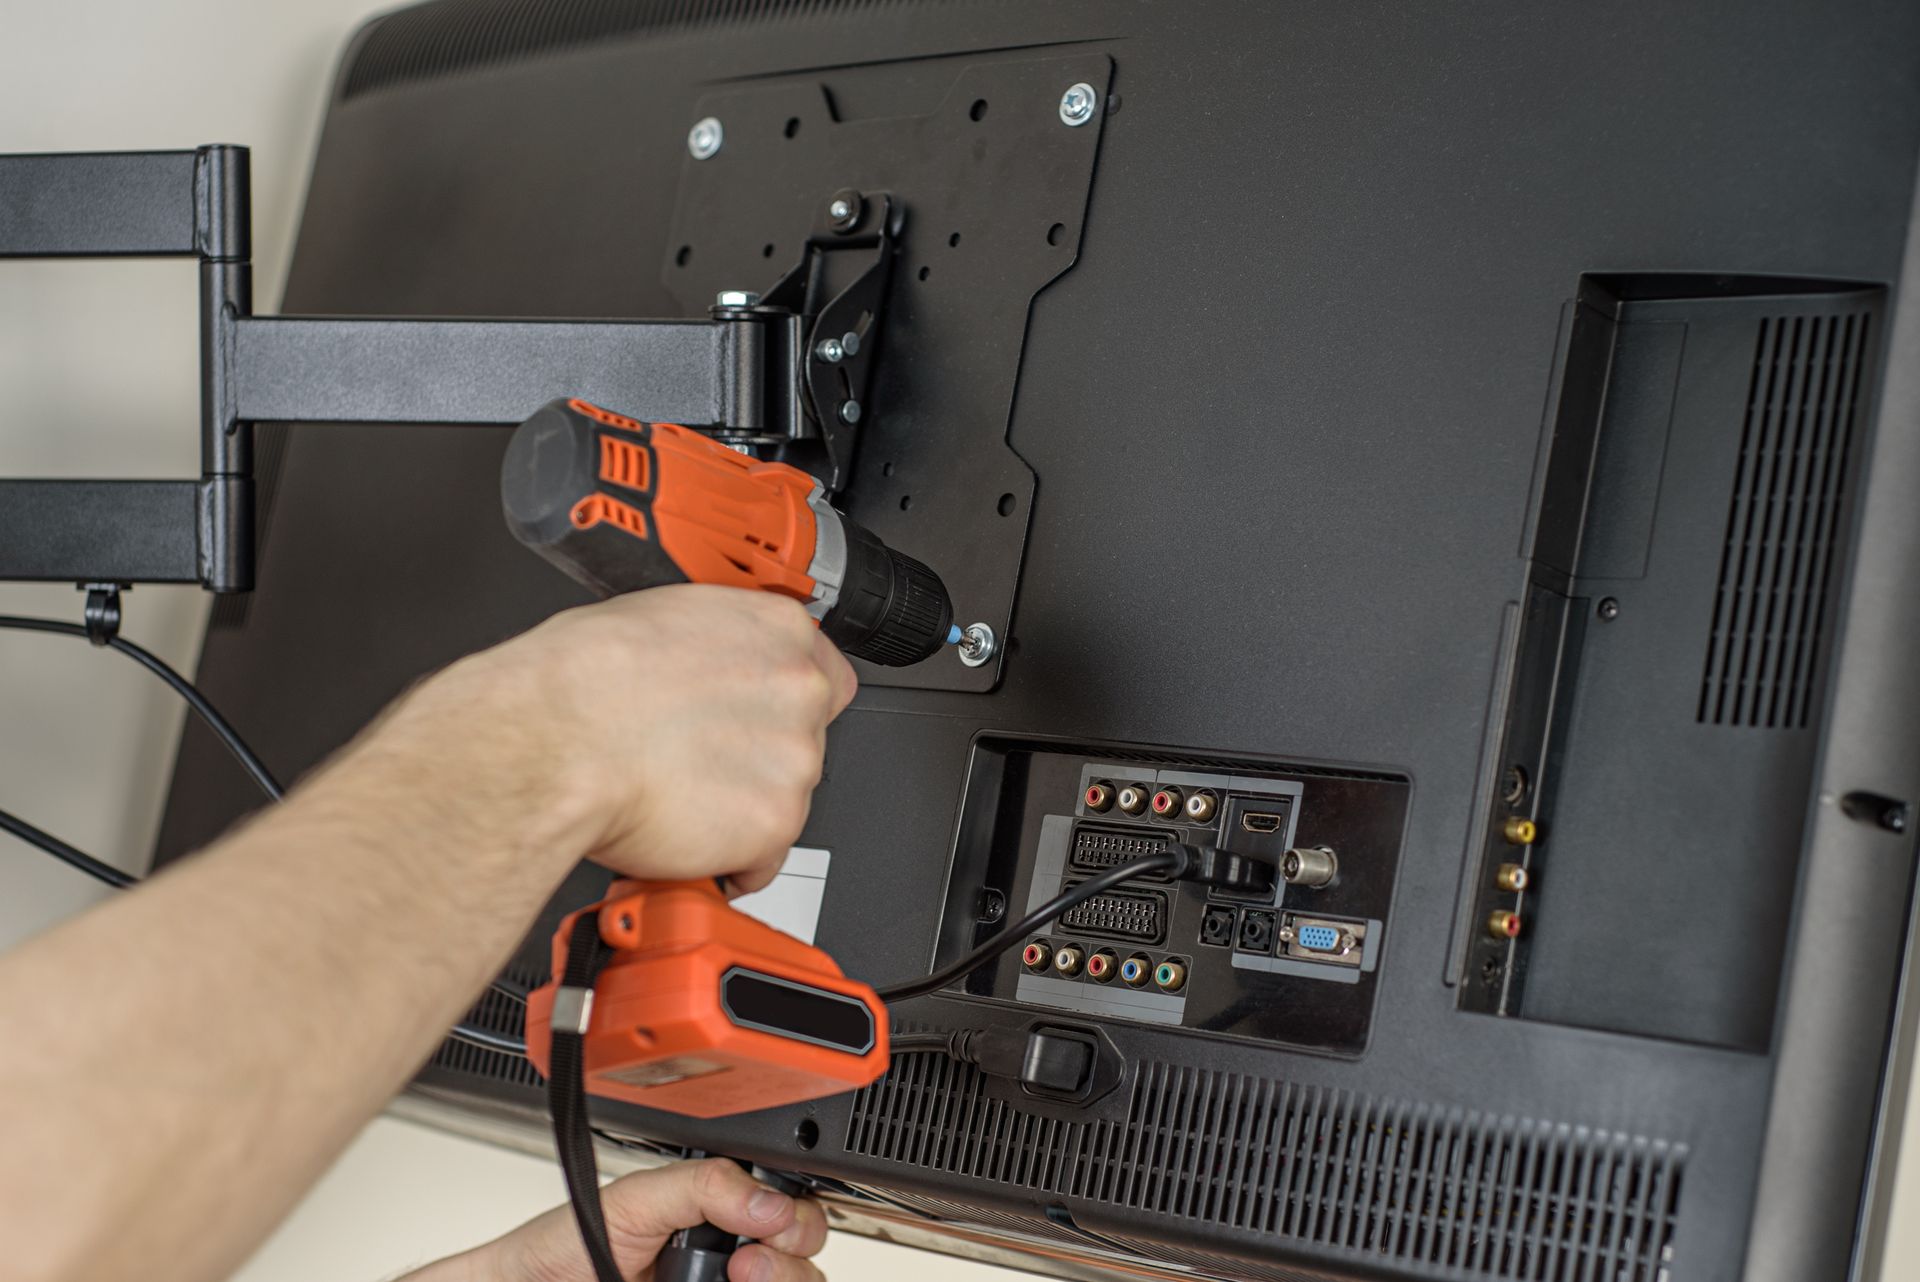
x: 1295, y: 966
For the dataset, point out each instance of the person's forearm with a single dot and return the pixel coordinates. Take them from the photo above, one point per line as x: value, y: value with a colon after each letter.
x: 147, y: 1054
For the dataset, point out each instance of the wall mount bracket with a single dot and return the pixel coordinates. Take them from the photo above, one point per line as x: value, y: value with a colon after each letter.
x: 754, y: 371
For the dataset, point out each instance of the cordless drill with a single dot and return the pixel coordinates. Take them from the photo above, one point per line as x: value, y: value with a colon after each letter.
x: 622, y: 505
x: 663, y: 994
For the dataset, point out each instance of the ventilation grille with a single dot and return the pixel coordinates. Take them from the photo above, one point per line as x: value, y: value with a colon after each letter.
x: 1770, y: 613
x: 1497, y: 1197
x: 452, y: 35
x: 496, y: 1013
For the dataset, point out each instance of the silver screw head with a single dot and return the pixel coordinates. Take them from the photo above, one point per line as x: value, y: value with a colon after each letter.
x: 840, y: 211
x: 977, y: 644
x: 829, y: 350
x: 1077, y: 104
x: 849, y: 411
x: 850, y: 343
x: 704, y: 139
x: 737, y: 298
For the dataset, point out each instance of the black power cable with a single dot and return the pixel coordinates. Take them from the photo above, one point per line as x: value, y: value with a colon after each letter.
x: 249, y: 761
x: 181, y: 686
x: 1172, y: 859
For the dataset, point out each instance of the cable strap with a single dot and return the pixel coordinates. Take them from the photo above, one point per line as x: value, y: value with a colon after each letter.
x: 587, y: 956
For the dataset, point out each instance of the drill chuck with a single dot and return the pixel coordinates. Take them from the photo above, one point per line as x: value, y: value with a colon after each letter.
x: 621, y: 505
x: 890, y: 609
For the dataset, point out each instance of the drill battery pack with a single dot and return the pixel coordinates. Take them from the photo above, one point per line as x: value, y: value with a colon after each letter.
x: 703, y: 1011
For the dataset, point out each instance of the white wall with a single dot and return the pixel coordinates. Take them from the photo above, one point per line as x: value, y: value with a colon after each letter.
x: 97, y: 377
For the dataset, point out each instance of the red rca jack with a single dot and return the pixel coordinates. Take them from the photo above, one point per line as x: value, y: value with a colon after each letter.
x: 1167, y: 802
x: 1099, y: 796
x: 1067, y: 959
x: 1036, y: 956
x: 1132, y: 798
x: 1201, y: 807
x: 1101, y: 966
x: 1503, y: 924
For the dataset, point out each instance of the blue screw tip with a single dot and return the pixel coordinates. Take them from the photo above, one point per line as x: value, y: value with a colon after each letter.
x: 954, y: 634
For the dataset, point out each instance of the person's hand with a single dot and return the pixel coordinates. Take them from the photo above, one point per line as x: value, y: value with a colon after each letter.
x: 673, y: 733
x: 642, y: 1210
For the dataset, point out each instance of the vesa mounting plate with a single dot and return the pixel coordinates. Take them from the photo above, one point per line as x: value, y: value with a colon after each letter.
x: 994, y: 185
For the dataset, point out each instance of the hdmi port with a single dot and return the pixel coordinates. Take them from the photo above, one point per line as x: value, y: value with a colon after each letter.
x: 1260, y: 821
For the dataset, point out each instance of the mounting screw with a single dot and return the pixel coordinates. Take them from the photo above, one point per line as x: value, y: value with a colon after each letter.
x: 704, y: 139
x: 849, y: 412
x: 850, y: 343
x: 1609, y: 609
x: 737, y: 298
x: 1076, y: 105
x: 976, y: 644
x: 844, y: 209
x: 830, y: 350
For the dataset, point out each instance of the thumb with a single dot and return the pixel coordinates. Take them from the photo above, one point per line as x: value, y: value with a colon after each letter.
x: 649, y: 1205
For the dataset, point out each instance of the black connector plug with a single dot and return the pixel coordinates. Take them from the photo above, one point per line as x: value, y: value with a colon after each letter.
x: 1051, y: 1060
x: 1253, y: 874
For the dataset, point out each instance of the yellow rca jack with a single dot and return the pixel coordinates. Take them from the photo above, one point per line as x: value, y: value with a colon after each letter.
x: 1036, y: 956
x: 1099, y: 796
x: 1503, y: 924
x: 1511, y: 878
x: 1170, y: 976
x: 1201, y: 806
x: 1167, y: 803
x: 1101, y: 966
x: 1067, y: 959
x: 1132, y: 798
x: 1135, y: 971
x: 1519, y: 831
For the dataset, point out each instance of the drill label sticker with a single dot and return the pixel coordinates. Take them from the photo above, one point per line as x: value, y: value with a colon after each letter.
x: 791, y: 902
x: 664, y: 1072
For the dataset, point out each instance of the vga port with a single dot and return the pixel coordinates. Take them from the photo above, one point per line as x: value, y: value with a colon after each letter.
x: 1098, y: 847
x: 1133, y: 916
x: 1338, y: 943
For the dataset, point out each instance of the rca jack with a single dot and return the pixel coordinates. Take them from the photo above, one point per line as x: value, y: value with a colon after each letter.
x: 1503, y: 924
x: 1132, y: 798
x: 1201, y: 806
x: 1167, y: 803
x: 1135, y: 971
x: 1512, y: 878
x: 1036, y: 956
x: 1101, y: 966
x: 1068, y: 959
x: 1170, y: 976
x: 1520, y: 832
x: 1099, y: 796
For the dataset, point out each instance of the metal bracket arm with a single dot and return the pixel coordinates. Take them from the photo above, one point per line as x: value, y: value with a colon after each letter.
x: 756, y: 372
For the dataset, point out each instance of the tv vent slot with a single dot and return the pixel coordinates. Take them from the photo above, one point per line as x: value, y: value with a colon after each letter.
x: 1771, y: 610
x: 1387, y: 1180
x: 496, y: 1013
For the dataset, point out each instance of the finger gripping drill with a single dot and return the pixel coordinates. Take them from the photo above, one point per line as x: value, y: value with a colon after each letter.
x: 622, y: 505
x: 664, y: 995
